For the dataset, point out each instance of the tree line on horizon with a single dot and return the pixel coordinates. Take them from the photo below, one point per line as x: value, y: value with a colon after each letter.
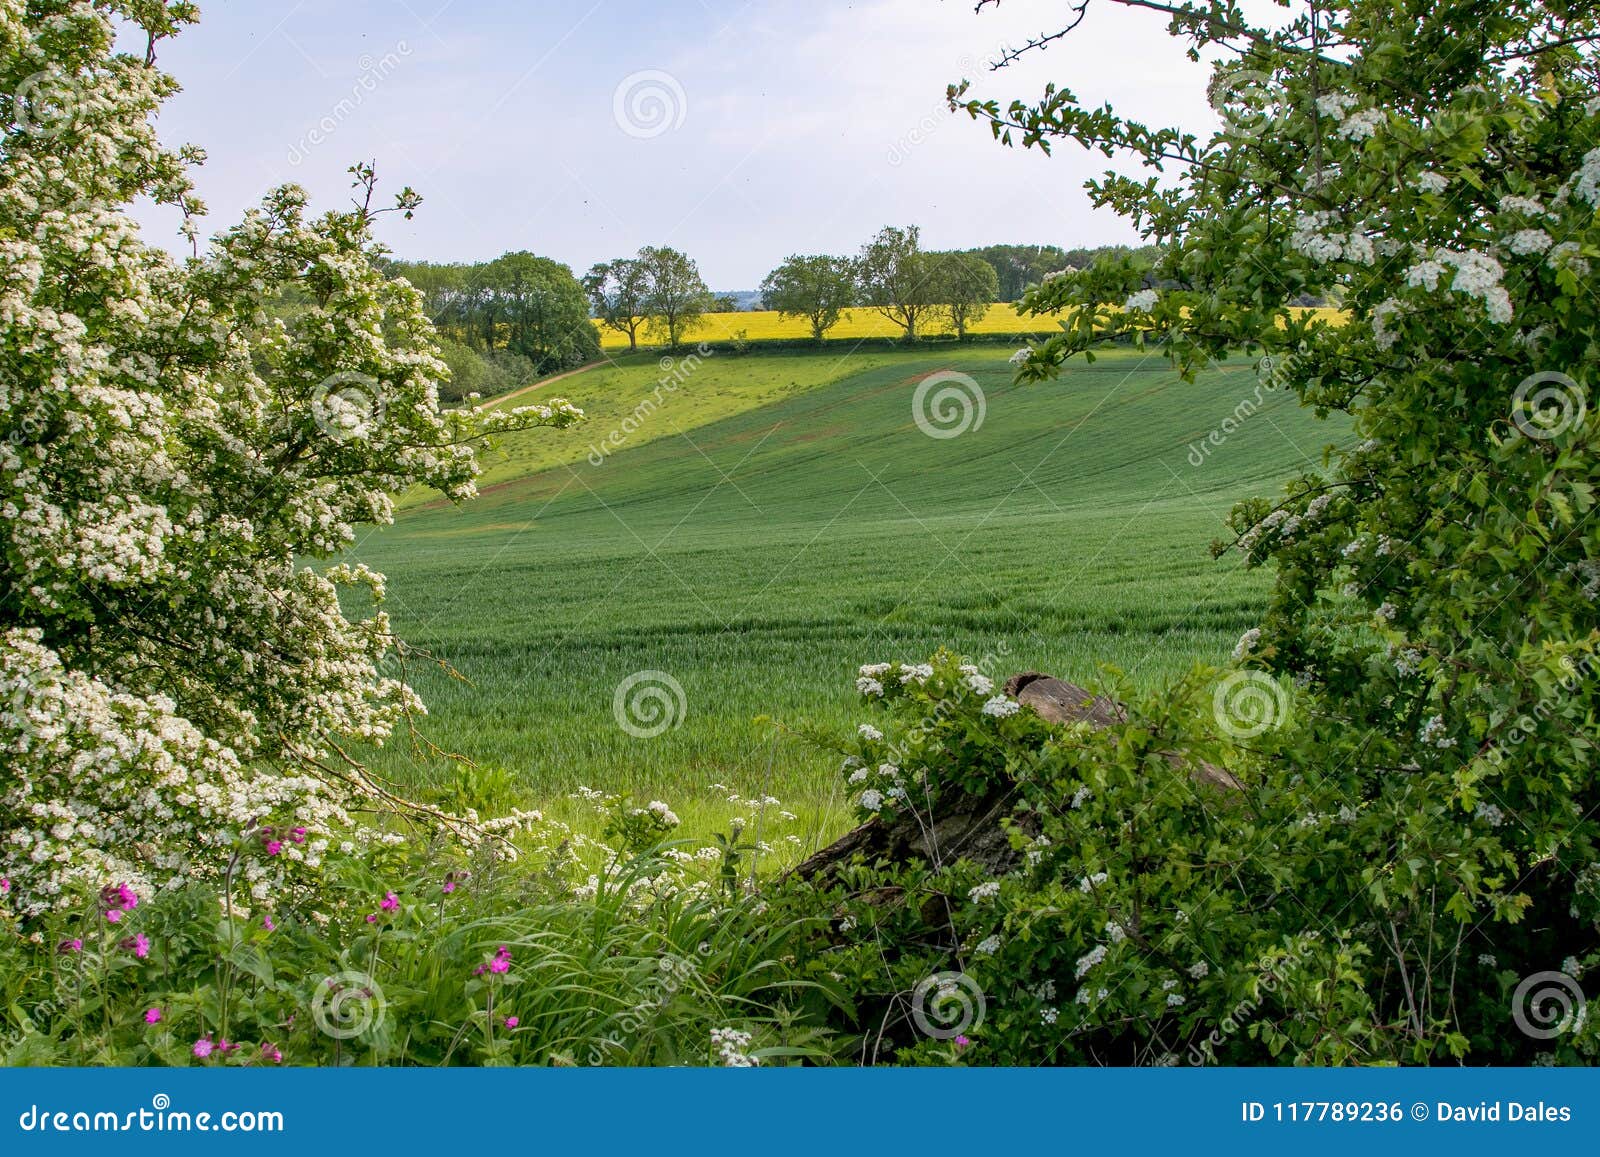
x: 522, y: 316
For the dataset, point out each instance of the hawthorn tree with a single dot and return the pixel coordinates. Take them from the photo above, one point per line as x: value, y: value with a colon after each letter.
x: 177, y: 672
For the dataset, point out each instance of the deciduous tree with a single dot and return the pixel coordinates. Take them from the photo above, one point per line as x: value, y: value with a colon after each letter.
x: 817, y: 288
x: 618, y: 294
x: 897, y: 278
x: 675, y: 296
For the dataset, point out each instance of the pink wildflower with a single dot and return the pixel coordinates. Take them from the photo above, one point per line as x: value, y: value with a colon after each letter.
x: 512, y: 1022
x: 390, y: 902
x: 138, y: 944
x: 298, y: 835
x: 152, y: 1016
x: 114, y: 915
x: 449, y: 886
x: 270, y: 1052
x: 274, y: 847
x: 266, y: 922
x: 203, y: 1047
x: 73, y: 945
x: 372, y: 917
x: 5, y: 885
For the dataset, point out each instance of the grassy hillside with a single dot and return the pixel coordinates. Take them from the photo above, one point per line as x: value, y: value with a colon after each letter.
x: 760, y: 557
x: 664, y: 396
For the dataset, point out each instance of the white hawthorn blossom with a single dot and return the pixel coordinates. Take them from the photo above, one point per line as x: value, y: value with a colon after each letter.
x: 1362, y: 125
x: 178, y: 465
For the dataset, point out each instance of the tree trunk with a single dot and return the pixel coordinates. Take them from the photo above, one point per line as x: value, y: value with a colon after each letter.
x: 961, y: 826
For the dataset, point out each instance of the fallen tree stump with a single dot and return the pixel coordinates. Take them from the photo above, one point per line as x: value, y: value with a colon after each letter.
x: 970, y: 827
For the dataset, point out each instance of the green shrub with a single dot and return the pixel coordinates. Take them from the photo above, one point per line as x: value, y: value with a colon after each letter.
x: 1152, y: 917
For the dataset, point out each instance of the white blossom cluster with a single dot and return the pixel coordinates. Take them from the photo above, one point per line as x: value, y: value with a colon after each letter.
x: 104, y: 785
x: 173, y: 460
x: 730, y: 1045
x: 1316, y: 237
x: 1476, y: 275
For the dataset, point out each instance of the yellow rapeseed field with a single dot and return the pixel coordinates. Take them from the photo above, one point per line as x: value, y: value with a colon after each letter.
x: 765, y: 324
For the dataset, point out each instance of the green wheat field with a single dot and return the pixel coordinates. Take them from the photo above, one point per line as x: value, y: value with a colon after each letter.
x: 779, y: 519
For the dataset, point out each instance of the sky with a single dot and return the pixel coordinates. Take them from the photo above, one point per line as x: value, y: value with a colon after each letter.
x: 737, y: 132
